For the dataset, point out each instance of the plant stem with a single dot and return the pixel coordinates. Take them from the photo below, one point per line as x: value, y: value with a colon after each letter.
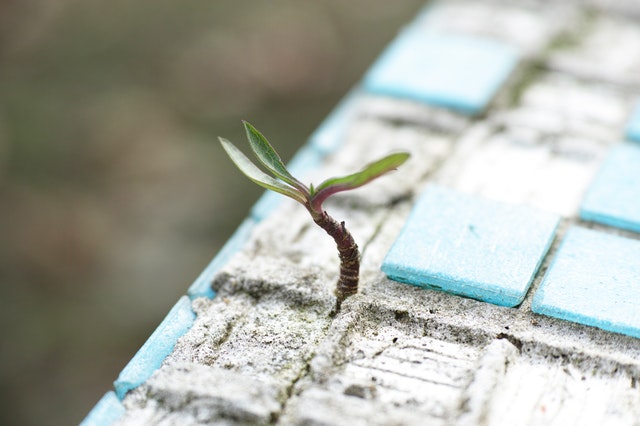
x: 349, y: 255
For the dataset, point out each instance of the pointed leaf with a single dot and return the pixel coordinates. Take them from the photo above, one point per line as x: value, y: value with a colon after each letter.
x: 370, y: 172
x: 366, y: 175
x: 258, y: 176
x: 269, y: 157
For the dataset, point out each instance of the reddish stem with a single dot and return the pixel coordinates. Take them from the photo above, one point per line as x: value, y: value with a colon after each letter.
x: 349, y: 255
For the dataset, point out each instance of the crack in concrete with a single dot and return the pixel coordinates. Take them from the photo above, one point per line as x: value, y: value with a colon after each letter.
x: 305, y: 372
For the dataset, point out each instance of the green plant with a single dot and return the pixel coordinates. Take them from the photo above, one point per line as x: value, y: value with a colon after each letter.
x: 312, y: 197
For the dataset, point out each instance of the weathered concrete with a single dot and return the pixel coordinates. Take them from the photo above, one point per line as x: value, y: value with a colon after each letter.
x: 268, y: 349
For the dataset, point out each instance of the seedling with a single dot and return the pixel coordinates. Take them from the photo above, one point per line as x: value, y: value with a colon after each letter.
x: 312, y: 197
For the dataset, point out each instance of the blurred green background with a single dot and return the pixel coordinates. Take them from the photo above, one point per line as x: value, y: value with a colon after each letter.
x: 114, y: 193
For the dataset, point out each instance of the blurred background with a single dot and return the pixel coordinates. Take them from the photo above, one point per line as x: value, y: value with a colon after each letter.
x: 114, y: 192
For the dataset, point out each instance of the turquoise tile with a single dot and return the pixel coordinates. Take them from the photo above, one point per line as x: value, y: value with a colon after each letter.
x: 593, y: 280
x: 268, y: 202
x: 106, y: 412
x: 614, y: 196
x: 471, y: 246
x: 330, y: 135
x: 306, y: 159
x: 153, y: 352
x: 201, y: 287
x: 633, y: 127
x: 449, y: 70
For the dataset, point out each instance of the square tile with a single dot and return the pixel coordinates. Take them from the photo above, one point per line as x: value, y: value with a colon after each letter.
x: 594, y: 280
x: 471, y: 246
x: 614, y: 196
x: 449, y: 70
x: 633, y: 127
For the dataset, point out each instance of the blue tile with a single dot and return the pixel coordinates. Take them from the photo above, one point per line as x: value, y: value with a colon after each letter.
x: 201, y: 287
x: 633, y: 127
x: 268, y: 202
x: 331, y: 133
x: 448, y: 70
x: 471, y: 246
x: 306, y: 159
x: 106, y: 412
x: 593, y: 280
x: 614, y: 196
x: 153, y: 352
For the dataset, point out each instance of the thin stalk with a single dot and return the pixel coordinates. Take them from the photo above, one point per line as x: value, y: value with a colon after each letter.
x: 348, y: 252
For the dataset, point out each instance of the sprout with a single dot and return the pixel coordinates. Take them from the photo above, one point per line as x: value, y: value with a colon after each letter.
x: 312, y: 197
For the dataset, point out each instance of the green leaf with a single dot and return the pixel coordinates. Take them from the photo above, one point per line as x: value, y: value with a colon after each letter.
x: 269, y: 157
x: 366, y: 175
x: 258, y: 176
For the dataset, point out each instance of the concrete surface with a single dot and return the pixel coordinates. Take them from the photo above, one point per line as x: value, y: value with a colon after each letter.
x: 267, y: 349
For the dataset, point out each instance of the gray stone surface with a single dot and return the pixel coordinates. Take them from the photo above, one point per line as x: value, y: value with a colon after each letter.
x: 525, y: 25
x: 605, y: 48
x: 268, y: 350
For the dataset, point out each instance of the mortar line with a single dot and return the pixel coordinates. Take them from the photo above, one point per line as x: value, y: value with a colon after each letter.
x: 304, y: 372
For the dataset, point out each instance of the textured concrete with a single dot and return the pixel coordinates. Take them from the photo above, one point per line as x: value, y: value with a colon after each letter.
x: 268, y: 348
x: 396, y: 354
x: 589, y: 51
x: 529, y: 29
